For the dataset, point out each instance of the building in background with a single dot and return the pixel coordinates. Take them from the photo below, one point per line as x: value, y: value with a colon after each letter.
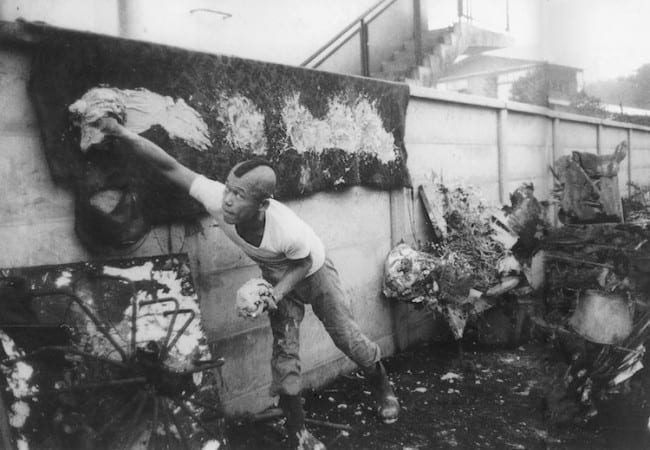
x: 495, y: 76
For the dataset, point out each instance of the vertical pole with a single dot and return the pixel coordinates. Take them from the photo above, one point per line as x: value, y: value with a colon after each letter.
x: 365, y: 59
x: 502, y: 150
x: 629, y: 162
x: 417, y: 31
x: 555, y: 149
x: 508, y: 15
x: 599, y: 139
x: 126, y: 14
x: 5, y: 428
x: 459, y: 9
x: 399, y: 225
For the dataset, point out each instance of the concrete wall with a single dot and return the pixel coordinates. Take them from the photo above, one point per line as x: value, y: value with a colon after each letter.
x: 497, y: 145
x: 484, y: 142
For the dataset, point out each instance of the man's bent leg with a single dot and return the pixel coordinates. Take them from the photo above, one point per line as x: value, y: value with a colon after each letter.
x: 327, y: 299
x: 285, y: 371
x: 328, y: 302
x: 285, y: 358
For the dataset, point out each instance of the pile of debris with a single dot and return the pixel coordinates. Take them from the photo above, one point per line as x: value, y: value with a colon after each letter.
x: 597, y: 312
x: 597, y: 303
x: 481, y: 256
x: 588, y: 280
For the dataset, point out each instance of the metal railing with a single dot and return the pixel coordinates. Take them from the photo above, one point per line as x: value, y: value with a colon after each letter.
x: 358, y: 26
x: 466, y: 13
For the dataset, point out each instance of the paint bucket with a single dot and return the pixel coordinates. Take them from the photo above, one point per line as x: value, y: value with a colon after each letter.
x: 602, y: 317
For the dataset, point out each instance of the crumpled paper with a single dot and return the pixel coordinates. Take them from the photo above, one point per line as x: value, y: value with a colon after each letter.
x: 254, y: 297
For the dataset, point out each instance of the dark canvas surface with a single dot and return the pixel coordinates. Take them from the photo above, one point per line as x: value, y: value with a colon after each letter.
x: 68, y: 64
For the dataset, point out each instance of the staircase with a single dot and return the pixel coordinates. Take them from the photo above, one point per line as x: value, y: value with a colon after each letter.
x: 440, y: 49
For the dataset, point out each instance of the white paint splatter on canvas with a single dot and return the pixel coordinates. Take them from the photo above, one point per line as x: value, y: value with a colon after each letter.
x: 139, y: 110
x: 243, y: 122
x: 355, y: 127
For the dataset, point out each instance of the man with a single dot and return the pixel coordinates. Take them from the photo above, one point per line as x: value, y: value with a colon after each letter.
x: 292, y: 259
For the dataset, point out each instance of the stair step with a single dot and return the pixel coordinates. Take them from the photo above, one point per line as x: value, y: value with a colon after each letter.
x: 440, y: 49
x: 403, y: 56
x: 396, y: 67
x: 428, y: 43
x: 434, y: 62
x: 387, y: 76
x: 412, y: 82
x: 424, y: 74
x: 409, y: 47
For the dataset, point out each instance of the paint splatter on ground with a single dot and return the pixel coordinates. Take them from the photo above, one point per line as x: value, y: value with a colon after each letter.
x: 493, y: 400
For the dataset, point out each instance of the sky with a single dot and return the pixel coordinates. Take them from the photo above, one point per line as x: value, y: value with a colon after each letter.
x: 607, y: 38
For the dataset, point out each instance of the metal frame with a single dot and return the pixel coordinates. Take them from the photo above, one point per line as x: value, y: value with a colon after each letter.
x: 357, y: 26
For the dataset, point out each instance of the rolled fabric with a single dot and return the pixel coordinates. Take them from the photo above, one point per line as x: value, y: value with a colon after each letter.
x: 253, y: 297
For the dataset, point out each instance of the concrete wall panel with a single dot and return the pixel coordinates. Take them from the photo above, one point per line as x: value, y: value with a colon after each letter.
x: 610, y: 138
x: 17, y: 113
x: 640, y: 140
x: 348, y: 217
x: 438, y: 122
x: 578, y: 137
x: 472, y: 164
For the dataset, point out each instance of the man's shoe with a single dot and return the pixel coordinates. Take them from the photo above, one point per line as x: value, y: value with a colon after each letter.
x: 299, y: 437
x: 385, y: 398
x: 307, y: 441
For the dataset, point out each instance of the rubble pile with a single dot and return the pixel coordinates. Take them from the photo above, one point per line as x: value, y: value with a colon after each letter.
x: 478, y: 255
x: 597, y: 281
x: 587, y: 282
x: 636, y: 206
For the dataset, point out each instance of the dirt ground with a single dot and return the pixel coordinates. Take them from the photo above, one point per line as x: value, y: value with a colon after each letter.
x: 491, y: 399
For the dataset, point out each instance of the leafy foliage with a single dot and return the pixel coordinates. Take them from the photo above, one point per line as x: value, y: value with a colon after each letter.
x: 588, y: 105
x: 633, y: 90
x: 532, y: 88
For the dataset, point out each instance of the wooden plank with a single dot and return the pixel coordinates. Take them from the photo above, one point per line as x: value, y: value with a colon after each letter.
x: 502, y: 154
x: 5, y: 430
x: 400, y: 224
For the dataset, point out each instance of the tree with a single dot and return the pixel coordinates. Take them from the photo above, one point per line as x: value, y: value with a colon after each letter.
x: 532, y: 88
x: 642, y: 86
x: 632, y: 90
x: 588, y: 105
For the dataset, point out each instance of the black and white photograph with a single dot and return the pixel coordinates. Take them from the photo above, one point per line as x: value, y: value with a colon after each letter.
x: 310, y: 225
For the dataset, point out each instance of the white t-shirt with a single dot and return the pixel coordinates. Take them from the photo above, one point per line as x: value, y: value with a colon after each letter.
x: 286, y: 236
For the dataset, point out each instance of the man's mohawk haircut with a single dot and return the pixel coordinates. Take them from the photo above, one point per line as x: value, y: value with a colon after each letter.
x: 247, y: 166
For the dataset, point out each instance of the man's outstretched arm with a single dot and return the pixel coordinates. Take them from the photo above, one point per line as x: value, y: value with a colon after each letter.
x: 146, y: 150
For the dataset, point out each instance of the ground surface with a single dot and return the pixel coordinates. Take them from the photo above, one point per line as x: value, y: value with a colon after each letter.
x: 494, y: 399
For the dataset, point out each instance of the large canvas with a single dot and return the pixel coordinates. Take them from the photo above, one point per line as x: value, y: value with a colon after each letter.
x: 321, y: 131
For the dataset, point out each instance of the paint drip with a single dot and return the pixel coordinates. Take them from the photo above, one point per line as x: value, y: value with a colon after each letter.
x: 138, y: 110
x: 152, y: 323
x: 20, y: 384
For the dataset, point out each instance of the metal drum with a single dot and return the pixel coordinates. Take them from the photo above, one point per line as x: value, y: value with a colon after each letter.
x: 602, y: 317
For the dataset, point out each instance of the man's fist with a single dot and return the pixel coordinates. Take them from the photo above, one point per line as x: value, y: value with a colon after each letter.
x: 108, y: 125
